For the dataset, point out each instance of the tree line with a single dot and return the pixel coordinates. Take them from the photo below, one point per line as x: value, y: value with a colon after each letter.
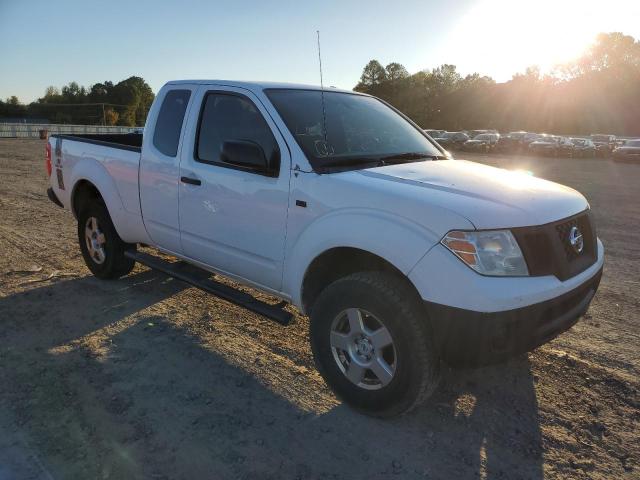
x: 124, y: 103
x: 598, y: 92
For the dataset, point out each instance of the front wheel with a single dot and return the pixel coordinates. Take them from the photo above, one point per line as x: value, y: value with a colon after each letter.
x: 373, y: 345
x: 102, y: 248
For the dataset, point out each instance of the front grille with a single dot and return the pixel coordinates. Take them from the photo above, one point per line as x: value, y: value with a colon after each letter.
x: 548, y: 250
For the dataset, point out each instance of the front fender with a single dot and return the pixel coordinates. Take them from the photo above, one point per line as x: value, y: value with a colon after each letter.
x: 395, y: 239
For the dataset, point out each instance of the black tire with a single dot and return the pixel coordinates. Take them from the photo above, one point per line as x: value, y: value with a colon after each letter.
x: 115, y: 264
x: 393, y: 303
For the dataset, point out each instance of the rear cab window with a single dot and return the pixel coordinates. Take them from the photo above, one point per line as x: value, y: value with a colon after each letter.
x: 166, y: 135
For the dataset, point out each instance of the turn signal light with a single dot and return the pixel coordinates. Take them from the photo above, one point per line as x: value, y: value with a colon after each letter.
x: 458, y: 244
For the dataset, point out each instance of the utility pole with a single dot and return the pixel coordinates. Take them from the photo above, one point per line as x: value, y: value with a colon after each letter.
x: 104, y: 119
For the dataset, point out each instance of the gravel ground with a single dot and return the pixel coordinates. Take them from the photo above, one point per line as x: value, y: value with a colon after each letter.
x: 148, y: 378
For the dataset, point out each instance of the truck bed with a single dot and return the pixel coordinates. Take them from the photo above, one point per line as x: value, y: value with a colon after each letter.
x: 111, y: 163
x: 125, y: 141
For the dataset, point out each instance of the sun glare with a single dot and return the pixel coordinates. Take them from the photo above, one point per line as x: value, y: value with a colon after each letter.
x: 506, y: 36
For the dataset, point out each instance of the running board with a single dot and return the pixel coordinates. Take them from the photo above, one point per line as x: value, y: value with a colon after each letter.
x: 199, y: 278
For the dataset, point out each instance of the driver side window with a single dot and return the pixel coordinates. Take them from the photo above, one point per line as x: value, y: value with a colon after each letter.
x: 229, y: 117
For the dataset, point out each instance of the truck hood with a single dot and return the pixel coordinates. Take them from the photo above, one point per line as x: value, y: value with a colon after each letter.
x: 488, y: 197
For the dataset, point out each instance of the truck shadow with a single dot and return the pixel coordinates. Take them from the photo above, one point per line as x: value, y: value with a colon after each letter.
x: 98, y: 383
x: 481, y: 423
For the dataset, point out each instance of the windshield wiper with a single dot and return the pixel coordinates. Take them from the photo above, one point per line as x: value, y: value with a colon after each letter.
x: 378, y: 161
x: 409, y: 156
x: 346, y: 162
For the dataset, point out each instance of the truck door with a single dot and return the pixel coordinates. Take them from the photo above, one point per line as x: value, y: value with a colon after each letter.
x: 233, y: 217
x: 160, y: 165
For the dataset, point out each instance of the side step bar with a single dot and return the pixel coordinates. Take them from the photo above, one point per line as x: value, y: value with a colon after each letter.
x: 199, y: 278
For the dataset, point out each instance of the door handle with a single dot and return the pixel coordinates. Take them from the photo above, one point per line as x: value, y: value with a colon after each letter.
x: 190, y: 181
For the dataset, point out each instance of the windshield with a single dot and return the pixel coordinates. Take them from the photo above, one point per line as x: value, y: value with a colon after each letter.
x: 359, y: 129
x: 600, y: 138
x: 579, y: 141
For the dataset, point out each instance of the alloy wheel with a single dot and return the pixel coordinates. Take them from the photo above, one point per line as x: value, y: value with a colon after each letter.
x: 363, y: 349
x: 95, y: 240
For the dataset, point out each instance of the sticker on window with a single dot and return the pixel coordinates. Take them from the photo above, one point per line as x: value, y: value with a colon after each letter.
x: 323, y: 148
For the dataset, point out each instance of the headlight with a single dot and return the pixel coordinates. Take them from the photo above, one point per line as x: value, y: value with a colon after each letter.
x: 494, y: 253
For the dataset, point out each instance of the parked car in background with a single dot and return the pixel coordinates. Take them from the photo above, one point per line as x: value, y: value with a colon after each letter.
x: 475, y: 133
x: 511, y: 142
x: 605, y: 144
x: 434, y: 133
x: 583, y: 148
x: 565, y: 147
x: 629, y: 151
x: 545, y: 145
x: 485, y: 142
x: 452, y: 140
x: 530, y: 137
x: 518, y: 135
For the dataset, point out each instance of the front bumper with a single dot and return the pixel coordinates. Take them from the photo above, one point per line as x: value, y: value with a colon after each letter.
x: 469, y: 337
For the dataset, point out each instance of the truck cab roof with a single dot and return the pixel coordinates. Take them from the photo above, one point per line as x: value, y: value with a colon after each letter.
x: 256, y: 86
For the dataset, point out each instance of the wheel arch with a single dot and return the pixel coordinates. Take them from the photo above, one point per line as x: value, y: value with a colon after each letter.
x: 338, y: 262
x: 375, y: 239
x: 89, y: 174
x: 90, y: 178
x: 87, y: 189
x: 84, y: 190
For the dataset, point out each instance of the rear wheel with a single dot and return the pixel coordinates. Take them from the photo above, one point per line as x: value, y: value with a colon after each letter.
x: 102, y: 248
x: 372, y: 344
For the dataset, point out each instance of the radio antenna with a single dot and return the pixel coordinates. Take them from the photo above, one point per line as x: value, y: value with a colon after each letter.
x: 324, y: 114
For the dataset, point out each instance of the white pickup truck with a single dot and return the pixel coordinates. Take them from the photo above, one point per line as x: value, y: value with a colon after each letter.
x: 337, y: 203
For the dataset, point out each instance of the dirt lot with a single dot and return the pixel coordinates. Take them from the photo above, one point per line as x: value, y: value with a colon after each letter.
x: 146, y: 378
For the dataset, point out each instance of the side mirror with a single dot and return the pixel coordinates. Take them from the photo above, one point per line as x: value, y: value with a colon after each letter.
x: 246, y: 154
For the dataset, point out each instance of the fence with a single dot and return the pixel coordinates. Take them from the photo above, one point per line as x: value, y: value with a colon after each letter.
x: 32, y: 130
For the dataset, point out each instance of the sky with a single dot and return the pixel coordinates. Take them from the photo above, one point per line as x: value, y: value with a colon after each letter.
x: 52, y: 43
